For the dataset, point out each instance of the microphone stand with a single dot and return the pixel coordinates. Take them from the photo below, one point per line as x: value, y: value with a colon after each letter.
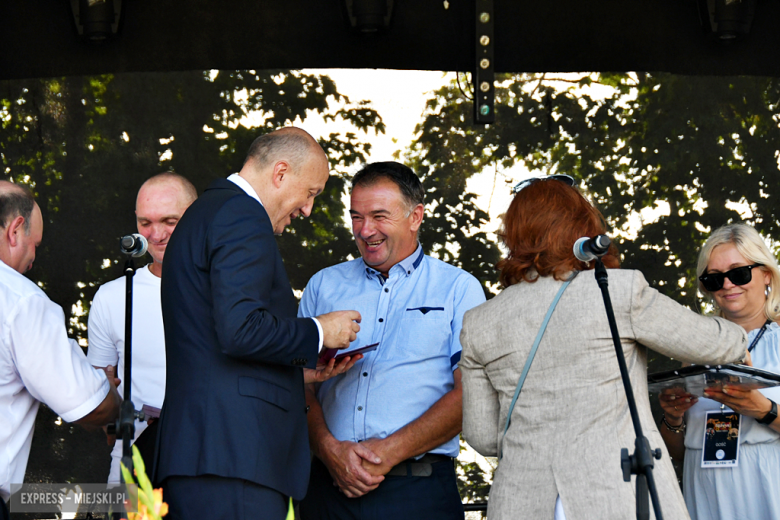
x: 124, y: 427
x: 640, y: 463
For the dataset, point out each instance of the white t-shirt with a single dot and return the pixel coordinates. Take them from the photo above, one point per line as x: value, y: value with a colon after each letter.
x: 37, y: 363
x: 107, y: 344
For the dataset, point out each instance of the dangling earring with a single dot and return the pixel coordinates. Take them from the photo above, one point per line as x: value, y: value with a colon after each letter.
x: 767, y: 291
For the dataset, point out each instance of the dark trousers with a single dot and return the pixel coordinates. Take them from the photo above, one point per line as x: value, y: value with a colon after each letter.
x: 210, y: 497
x: 4, y: 514
x: 434, y: 497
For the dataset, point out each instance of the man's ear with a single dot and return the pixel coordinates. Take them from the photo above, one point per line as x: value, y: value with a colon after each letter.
x: 417, y: 217
x: 281, y: 168
x: 15, y: 226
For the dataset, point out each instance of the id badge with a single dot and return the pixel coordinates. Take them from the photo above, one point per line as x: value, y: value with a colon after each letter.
x: 721, y: 439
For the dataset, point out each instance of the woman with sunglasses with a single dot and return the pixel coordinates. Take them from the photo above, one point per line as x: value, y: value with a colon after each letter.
x: 561, y: 451
x: 740, y: 276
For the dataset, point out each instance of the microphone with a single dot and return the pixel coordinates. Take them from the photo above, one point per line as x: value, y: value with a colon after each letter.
x: 133, y: 245
x: 587, y: 249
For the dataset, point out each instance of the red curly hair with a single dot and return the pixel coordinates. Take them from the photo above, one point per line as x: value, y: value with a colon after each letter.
x: 540, y: 227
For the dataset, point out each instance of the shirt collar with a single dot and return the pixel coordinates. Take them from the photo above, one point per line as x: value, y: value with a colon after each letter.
x: 244, y: 185
x: 408, y: 264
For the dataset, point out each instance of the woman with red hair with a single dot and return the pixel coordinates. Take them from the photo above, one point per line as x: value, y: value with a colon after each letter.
x: 560, y: 453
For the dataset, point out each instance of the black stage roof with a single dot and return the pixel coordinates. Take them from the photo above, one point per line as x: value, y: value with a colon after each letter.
x: 38, y: 37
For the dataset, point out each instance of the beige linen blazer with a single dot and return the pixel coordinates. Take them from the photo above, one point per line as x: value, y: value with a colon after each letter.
x: 572, y: 418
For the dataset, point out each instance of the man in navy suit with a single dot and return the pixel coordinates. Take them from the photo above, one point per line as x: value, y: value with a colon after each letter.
x: 233, y: 436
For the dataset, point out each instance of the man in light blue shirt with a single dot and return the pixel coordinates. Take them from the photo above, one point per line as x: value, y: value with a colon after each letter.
x: 384, y: 434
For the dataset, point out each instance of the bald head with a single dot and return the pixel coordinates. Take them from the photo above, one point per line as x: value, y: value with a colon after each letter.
x: 290, y: 144
x: 287, y: 169
x: 161, y: 202
x: 181, y: 184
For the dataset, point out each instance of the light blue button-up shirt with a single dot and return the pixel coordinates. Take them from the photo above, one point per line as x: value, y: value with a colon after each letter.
x: 416, y: 315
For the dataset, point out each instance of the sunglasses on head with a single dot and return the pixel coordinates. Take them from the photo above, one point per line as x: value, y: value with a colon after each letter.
x: 566, y: 179
x: 738, y: 276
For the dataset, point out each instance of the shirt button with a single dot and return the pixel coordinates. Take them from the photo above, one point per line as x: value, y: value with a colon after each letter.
x: 360, y: 408
x: 365, y: 374
x: 381, y: 320
x: 387, y: 290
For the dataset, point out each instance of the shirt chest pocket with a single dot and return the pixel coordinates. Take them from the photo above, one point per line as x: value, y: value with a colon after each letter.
x: 425, y: 333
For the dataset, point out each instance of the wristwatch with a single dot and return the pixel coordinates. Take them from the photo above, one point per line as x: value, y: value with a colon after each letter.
x: 770, y: 417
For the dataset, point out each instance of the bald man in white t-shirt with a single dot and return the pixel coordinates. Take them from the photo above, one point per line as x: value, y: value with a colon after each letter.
x: 160, y: 204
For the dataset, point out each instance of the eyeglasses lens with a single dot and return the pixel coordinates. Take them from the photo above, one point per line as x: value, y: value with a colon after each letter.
x: 738, y: 276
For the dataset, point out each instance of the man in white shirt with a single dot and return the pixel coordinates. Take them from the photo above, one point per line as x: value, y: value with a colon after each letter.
x: 160, y: 204
x: 37, y: 361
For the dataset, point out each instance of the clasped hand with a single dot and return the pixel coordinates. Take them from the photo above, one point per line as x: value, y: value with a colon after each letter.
x: 358, y: 468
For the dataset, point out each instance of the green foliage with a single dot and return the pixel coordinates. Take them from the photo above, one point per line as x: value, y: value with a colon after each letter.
x: 696, y: 145
x: 444, y: 155
x: 472, y: 484
x: 86, y: 144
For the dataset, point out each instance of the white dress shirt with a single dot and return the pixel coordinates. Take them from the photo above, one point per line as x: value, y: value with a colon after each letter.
x: 37, y: 363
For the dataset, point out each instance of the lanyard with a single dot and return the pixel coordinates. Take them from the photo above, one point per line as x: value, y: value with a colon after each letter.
x: 758, y: 336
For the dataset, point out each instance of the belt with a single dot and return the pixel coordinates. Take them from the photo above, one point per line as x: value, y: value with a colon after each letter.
x: 422, y: 467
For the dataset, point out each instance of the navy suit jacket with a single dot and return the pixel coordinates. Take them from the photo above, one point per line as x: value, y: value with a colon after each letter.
x: 234, y: 397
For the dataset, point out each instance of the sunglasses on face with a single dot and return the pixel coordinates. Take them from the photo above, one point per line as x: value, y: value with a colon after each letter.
x: 566, y: 179
x: 738, y: 276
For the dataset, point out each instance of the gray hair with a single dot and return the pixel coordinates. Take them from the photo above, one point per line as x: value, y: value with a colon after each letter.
x: 16, y: 203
